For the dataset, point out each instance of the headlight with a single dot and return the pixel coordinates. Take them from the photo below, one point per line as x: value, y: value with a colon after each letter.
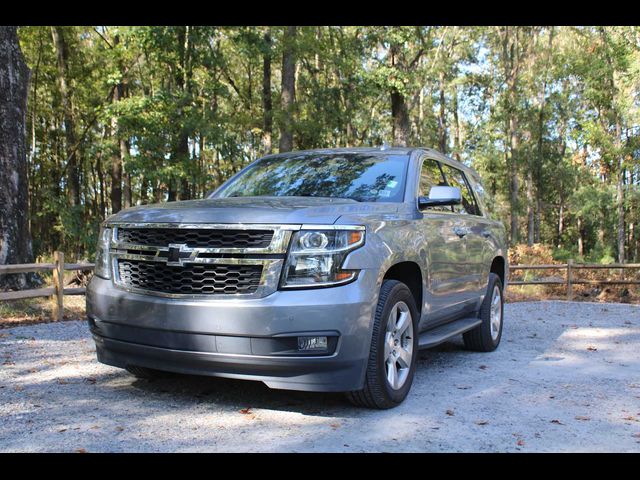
x: 315, y: 257
x: 102, y: 254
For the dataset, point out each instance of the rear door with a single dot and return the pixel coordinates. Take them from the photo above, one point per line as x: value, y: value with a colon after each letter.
x: 469, y: 228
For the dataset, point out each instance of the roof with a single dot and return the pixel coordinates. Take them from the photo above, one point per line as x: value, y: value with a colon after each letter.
x: 371, y: 150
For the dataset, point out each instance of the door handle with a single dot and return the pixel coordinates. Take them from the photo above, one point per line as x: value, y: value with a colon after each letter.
x: 460, y: 231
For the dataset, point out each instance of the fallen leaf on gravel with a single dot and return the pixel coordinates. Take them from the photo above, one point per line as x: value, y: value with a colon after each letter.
x: 557, y: 422
x: 450, y: 413
x: 592, y: 349
x: 481, y: 422
x: 93, y: 427
x: 583, y: 418
x: 631, y: 418
x: 245, y: 411
x: 81, y: 450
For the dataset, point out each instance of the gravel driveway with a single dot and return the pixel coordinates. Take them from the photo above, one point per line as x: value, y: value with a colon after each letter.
x: 566, y: 378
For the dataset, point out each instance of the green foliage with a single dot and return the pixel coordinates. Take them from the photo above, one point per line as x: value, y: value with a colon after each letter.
x: 181, y: 108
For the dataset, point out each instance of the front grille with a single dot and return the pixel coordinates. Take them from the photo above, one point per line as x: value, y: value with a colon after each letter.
x: 194, y: 279
x: 196, y: 237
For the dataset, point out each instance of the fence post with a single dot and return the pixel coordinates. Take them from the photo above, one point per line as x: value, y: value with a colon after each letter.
x: 58, y: 283
x: 570, y: 279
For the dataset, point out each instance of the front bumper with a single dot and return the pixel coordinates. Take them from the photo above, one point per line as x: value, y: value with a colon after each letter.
x: 246, y: 338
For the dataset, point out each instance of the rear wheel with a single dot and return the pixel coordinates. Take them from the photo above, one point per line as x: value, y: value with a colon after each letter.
x: 394, y: 349
x: 486, y: 336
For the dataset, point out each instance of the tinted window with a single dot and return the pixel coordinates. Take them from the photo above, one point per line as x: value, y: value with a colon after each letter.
x: 362, y: 177
x: 431, y: 176
x: 455, y: 178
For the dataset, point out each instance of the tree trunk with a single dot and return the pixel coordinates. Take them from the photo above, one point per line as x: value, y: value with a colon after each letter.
x: 442, y: 118
x: 288, y: 89
x: 515, y: 184
x: 15, y: 237
x: 539, y: 191
x: 580, y: 238
x: 116, y: 160
x: 620, y: 192
x: 400, y: 119
x: 62, y: 52
x: 511, y: 61
x: 267, y: 104
x: 530, y: 207
x: 399, y: 110
x: 457, y: 141
x: 620, y: 207
x: 618, y: 147
x: 183, y: 76
x: 560, y: 223
x: 119, y: 157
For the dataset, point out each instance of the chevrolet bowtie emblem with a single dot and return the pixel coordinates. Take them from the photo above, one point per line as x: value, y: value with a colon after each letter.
x: 177, y: 255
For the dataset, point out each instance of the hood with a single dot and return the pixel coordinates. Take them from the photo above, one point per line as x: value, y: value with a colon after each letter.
x: 278, y: 210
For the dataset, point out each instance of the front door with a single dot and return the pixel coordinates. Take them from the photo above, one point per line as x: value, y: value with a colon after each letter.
x: 446, y: 279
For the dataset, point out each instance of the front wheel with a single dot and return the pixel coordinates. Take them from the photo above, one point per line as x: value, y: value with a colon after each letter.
x: 394, y: 349
x: 486, y: 336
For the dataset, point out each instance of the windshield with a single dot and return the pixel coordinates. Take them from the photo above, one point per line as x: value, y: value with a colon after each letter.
x: 359, y: 176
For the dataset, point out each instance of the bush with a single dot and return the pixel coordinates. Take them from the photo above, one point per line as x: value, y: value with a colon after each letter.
x: 537, y: 254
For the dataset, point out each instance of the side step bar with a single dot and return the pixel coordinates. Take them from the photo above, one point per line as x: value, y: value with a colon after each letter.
x: 441, y: 334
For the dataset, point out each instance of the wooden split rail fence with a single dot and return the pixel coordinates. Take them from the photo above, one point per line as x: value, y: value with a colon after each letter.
x: 569, y: 279
x: 58, y: 291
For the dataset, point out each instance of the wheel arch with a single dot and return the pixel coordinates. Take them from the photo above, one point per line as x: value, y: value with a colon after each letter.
x: 499, y: 267
x: 409, y: 273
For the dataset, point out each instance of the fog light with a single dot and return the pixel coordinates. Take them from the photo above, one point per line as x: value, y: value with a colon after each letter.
x: 312, y: 343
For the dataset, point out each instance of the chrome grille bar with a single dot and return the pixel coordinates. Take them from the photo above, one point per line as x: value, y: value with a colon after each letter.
x: 181, y: 255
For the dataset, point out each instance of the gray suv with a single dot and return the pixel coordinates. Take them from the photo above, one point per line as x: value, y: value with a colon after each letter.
x: 319, y: 270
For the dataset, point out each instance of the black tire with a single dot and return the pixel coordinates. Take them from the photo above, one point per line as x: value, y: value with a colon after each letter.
x: 377, y: 392
x: 479, y: 339
x: 146, y: 373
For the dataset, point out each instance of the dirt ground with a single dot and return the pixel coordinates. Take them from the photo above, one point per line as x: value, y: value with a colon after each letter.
x: 565, y: 378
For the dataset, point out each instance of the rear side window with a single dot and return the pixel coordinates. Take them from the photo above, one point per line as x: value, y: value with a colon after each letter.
x: 456, y: 178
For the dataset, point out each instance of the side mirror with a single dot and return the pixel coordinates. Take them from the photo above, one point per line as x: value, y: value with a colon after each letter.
x: 441, y: 197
